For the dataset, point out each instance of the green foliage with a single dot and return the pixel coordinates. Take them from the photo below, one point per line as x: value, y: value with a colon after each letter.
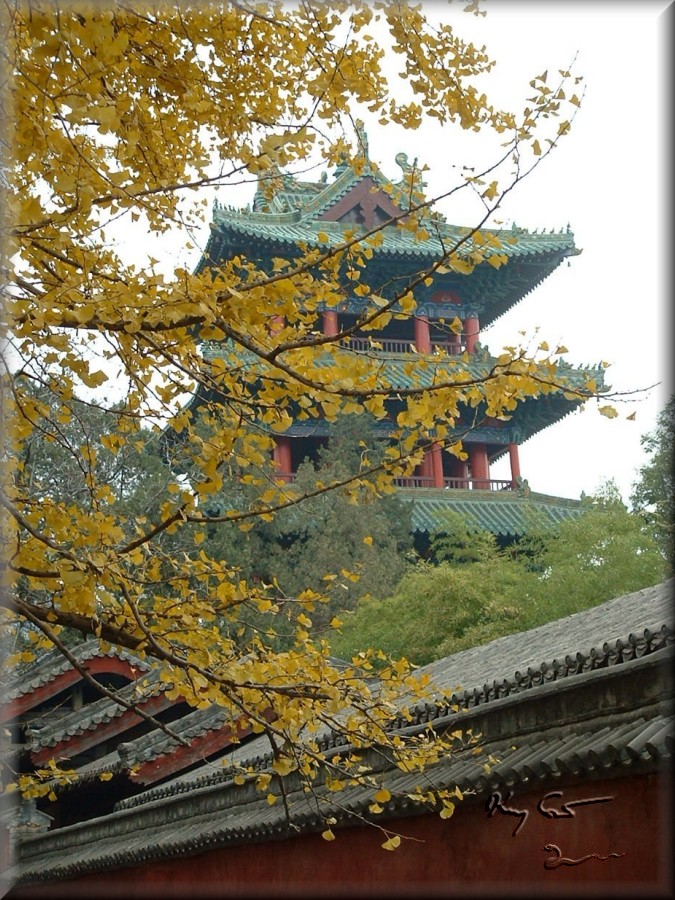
x: 458, y: 542
x: 654, y: 491
x: 61, y: 461
x: 438, y: 610
x: 433, y: 607
x: 344, y: 544
x: 604, y: 553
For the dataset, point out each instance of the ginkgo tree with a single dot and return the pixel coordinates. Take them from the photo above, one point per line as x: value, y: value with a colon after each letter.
x: 121, y: 116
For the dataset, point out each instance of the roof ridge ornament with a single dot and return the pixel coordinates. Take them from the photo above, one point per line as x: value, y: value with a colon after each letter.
x: 401, y: 159
x: 412, y: 172
x: 360, y: 129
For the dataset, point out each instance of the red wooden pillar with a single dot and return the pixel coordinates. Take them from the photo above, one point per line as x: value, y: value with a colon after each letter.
x: 515, y: 464
x: 459, y: 469
x: 426, y: 467
x: 471, y: 332
x: 480, y: 466
x: 330, y: 322
x: 282, y: 458
x: 437, y: 465
x: 422, y: 334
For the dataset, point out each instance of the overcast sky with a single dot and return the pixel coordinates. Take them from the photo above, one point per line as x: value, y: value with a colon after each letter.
x: 607, y: 180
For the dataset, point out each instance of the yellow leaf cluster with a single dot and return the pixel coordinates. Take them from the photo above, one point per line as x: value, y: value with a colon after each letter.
x: 121, y: 118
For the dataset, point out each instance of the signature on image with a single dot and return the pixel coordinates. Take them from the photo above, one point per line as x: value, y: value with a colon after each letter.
x: 558, y: 810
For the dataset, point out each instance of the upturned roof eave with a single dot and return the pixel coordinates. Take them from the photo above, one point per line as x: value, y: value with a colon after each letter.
x: 287, y: 229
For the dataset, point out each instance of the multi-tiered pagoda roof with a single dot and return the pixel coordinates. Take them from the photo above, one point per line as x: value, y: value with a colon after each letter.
x: 289, y: 216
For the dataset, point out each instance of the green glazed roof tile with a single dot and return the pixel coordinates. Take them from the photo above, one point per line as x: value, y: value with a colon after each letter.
x: 531, y: 415
x: 292, y: 228
x: 293, y: 214
x: 506, y: 513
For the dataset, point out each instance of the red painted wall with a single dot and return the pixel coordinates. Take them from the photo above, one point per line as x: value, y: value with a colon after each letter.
x: 472, y: 853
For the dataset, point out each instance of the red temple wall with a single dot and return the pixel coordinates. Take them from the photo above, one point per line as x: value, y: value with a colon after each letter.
x: 473, y: 852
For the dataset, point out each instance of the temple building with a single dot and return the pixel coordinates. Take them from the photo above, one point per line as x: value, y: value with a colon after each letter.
x: 287, y: 213
x: 575, y: 716
x: 576, y: 724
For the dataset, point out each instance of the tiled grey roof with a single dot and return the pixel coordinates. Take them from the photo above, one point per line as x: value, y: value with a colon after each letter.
x: 586, y: 641
x: 226, y: 815
x: 53, y: 664
x: 148, y: 747
x: 589, y: 695
x: 606, y: 634
x: 51, y: 731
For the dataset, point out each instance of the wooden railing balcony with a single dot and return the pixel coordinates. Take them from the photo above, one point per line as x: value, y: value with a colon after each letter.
x: 466, y: 484
x: 389, y: 345
x: 424, y: 481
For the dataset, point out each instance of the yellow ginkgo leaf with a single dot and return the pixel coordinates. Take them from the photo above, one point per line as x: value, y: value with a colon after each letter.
x: 392, y: 843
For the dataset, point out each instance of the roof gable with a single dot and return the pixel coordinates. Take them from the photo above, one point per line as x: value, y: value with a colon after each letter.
x: 365, y: 203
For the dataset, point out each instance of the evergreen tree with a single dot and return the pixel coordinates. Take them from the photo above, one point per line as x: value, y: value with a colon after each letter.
x: 345, y: 544
x: 654, y: 491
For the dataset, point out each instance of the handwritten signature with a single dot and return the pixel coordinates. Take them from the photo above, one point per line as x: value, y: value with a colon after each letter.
x: 563, y: 810
x: 496, y: 803
x: 559, y: 860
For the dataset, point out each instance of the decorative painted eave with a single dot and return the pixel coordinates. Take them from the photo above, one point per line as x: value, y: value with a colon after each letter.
x: 130, y: 755
x: 94, y: 723
x: 52, y: 664
x: 529, y: 418
x: 158, y: 755
x: 289, y: 229
x: 416, y: 370
x: 306, y: 213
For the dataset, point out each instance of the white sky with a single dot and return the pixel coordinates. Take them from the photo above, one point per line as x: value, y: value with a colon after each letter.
x: 607, y: 180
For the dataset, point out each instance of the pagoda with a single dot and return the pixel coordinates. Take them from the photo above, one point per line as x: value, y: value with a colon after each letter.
x: 288, y: 213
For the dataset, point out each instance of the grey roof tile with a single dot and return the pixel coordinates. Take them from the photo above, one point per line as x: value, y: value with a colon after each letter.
x: 49, y: 731
x: 570, y: 639
x: 28, y: 678
x: 191, y: 817
x: 215, y: 817
x: 512, y: 664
